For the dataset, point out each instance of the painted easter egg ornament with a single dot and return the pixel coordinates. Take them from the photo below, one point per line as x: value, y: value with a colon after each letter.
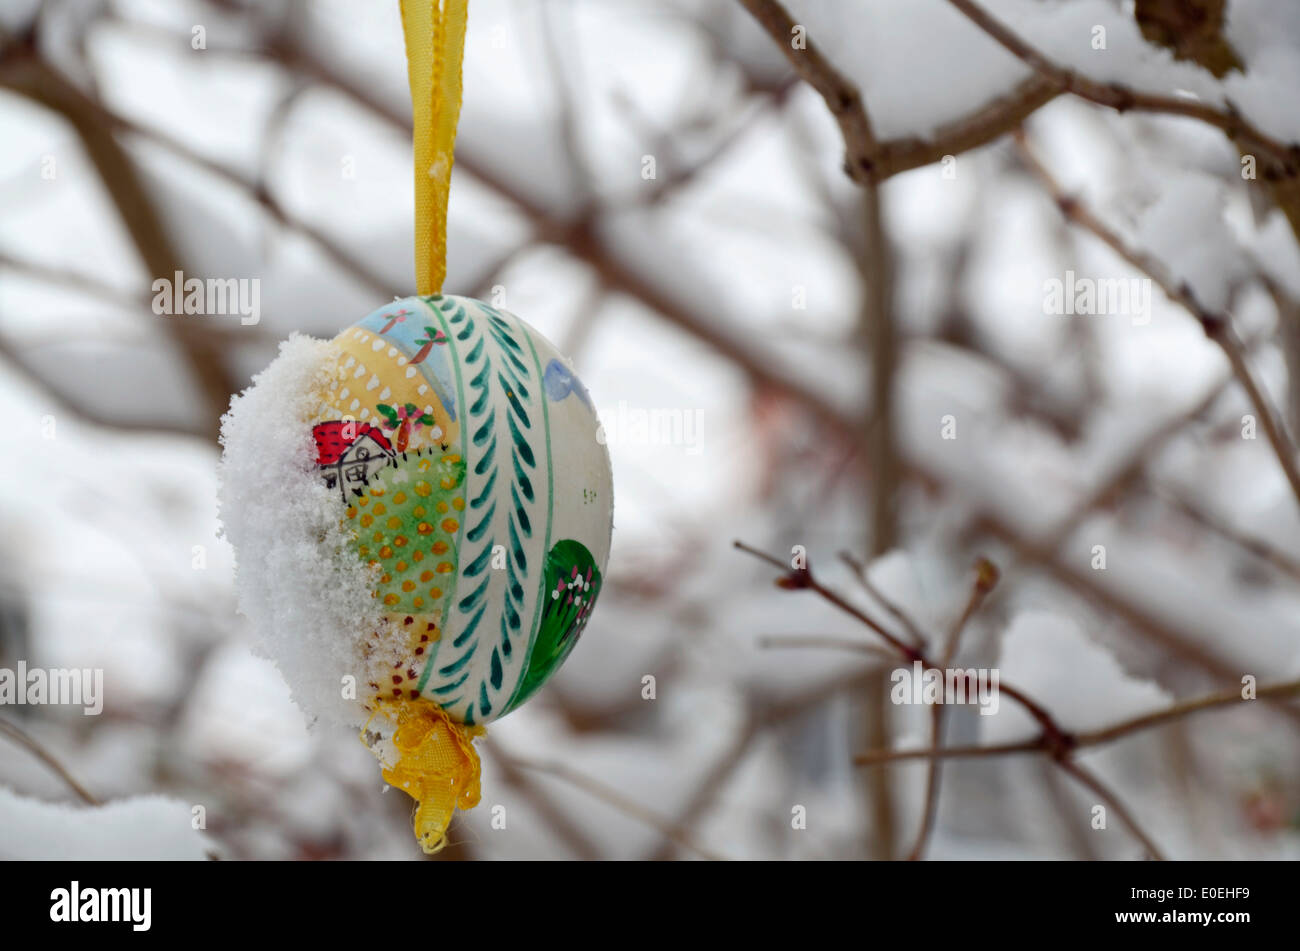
x: 422, y: 507
x: 480, y: 495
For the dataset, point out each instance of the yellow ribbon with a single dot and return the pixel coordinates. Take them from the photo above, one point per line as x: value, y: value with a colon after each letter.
x: 430, y: 756
x: 435, y: 46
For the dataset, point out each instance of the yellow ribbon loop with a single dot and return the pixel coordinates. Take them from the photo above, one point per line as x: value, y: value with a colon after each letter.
x: 424, y: 752
x: 435, y: 46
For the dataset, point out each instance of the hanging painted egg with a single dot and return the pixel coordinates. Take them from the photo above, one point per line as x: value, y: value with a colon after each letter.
x: 467, y: 463
x: 453, y: 541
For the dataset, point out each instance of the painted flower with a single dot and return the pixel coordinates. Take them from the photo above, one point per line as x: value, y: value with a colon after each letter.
x: 404, y: 420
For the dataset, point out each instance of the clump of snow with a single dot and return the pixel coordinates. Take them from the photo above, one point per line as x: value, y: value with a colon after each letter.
x: 1273, y: 248
x: 952, y: 69
x: 307, y: 595
x: 1266, y: 35
x: 1080, y: 683
x: 1184, y: 229
x: 153, y: 828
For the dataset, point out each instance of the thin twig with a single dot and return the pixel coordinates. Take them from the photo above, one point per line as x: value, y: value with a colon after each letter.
x: 1254, y: 546
x: 860, y: 575
x: 859, y: 569
x: 763, y: 714
x: 620, y: 802
x: 795, y: 578
x: 824, y: 643
x: 557, y: 818
x: 986, y: 579
x: 1137, y: 616
x: 23, y: 739
x: 1088, y: 738
x: 974, y: 751
x: 1216, y: 325
x: 1103, y: 792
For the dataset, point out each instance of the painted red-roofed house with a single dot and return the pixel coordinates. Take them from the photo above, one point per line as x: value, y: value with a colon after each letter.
x: 349, y: 453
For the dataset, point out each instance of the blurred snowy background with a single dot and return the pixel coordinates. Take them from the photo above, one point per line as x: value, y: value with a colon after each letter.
x: 651, y: 186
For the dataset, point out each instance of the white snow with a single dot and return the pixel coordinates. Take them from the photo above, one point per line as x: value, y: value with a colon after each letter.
x: 1185, y: 226
x: 1048, y: 656
x: 143, y: 828
x: 309, y: 600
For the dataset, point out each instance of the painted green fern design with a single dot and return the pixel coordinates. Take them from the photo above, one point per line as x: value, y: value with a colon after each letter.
x: 499, y: 385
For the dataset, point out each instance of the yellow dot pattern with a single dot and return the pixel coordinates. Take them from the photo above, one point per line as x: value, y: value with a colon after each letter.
x: 408, y: 526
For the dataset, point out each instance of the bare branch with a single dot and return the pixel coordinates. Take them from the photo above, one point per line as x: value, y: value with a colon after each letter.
x: 841, y: 96
x: 981, y: 127
x: 1216, y: 325
x: 1284, y: 157
x: 1212, y: 701
x: 25, y: 73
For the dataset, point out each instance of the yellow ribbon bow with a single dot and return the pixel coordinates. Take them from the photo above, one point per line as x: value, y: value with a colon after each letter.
x: 431, y: 758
